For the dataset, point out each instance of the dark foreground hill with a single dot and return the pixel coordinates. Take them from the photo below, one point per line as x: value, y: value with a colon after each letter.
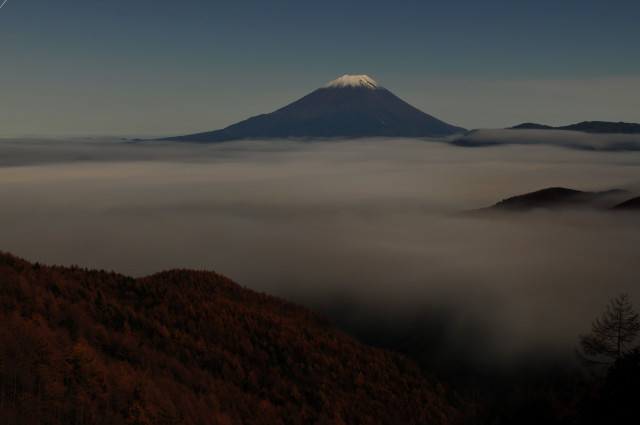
x: 352, y: 106
x: 188, y: 347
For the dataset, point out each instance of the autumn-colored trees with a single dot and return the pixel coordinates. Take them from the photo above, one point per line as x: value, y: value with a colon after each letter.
x: 191, y: 347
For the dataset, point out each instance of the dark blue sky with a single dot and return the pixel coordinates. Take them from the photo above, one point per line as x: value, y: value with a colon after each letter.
x: 160, y: 68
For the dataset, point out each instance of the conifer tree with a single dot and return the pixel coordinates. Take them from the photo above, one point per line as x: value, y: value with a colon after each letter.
x: 612, y: 334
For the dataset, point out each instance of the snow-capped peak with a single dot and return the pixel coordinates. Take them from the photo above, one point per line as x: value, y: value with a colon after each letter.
x: 361, y: 81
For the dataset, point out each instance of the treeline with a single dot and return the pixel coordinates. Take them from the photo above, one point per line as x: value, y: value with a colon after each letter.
x: 82, y: 346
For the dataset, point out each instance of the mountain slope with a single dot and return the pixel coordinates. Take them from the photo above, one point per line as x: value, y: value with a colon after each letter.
x: 351, y: 106
x: 188, y: 347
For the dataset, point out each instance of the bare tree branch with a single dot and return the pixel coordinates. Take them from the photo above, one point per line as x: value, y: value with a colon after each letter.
x: 611, y: 334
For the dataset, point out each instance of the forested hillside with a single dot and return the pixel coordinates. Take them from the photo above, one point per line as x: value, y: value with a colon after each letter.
x: 189, y: 347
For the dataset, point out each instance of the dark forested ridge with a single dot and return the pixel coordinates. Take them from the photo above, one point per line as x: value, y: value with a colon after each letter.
x: 81, y: 346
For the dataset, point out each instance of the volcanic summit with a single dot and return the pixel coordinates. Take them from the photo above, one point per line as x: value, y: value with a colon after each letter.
x: 352, y: 106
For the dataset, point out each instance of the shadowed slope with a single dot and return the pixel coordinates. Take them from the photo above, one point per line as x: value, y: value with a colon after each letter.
x: 188, y: 347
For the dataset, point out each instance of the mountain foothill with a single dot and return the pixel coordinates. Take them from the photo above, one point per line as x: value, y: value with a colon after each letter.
x: 82, y: 346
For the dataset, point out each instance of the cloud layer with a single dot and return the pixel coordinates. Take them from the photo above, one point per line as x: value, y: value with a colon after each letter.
x: 367, y: 230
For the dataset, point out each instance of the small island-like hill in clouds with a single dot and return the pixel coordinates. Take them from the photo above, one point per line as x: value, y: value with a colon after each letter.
x: 560, y: 198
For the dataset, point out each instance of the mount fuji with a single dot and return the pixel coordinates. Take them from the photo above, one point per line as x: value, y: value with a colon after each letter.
x: 352, y: 106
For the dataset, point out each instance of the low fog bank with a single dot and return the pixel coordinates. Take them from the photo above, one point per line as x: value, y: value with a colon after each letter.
x: 366, y: 231
x: 560, y: 138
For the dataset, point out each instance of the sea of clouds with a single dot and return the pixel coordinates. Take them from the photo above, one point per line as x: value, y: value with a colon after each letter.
x: 369, y: 232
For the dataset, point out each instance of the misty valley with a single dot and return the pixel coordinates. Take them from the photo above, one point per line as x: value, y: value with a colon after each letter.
x: 475, y: 268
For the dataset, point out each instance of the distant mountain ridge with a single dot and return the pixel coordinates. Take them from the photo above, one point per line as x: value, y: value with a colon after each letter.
x: 589, y: 135
x: 586, y: 127
x: 352, y: 106
x: 555, y: 198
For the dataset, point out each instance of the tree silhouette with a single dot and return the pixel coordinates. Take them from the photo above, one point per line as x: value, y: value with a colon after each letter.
x: 612, y: 333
